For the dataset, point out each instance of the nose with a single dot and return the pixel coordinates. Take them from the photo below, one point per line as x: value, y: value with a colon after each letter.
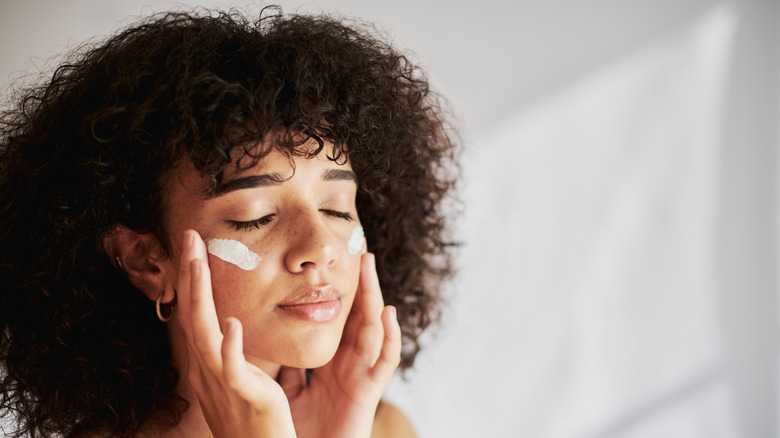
x: 311, y: 246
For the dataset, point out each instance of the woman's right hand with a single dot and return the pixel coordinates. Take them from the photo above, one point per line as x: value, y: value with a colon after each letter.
x: 237, y: 398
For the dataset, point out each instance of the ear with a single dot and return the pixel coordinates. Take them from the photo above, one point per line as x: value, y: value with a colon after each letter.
x: 140, y: 257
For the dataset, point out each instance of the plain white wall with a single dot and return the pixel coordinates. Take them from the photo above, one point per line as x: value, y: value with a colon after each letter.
x: 619, y: 266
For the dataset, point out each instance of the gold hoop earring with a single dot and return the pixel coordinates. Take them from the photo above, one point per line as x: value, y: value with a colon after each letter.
x: 164, y: 310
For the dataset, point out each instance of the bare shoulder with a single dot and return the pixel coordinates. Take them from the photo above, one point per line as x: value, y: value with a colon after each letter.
x: 390, y: 422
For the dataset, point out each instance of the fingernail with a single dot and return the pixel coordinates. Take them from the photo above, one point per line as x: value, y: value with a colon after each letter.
x: 189, y: 240
x: 204, y: 252
x: 230, y: 326
x: 394, y: 312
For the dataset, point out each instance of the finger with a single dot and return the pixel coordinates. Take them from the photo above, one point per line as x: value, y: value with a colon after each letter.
x: 247, y: 381
x: 206, y: 334
x: 184, y: 282
x: 390, y: 356
x: 367, y: 283
x: 184, y: 286
x: 372, y: 301
x: 368, y: 335
x: 233, y: 360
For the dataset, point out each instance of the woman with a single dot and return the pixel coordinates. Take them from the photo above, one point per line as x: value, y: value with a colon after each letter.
x: 181, y: 236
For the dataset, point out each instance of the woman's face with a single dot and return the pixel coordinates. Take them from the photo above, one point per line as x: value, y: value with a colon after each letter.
x: 294, y: 304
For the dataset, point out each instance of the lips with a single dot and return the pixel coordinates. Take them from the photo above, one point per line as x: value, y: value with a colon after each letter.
x: 320, y: 304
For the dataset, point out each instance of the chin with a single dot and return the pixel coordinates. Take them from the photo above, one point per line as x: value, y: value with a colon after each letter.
x: 311, y: 349
x: 307, y: 359
x: 312, y: 353
x: 313, y: 362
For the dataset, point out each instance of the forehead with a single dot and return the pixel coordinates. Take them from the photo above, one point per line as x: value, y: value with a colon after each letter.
x: 188, y: 187
x: 244, y: 160
x: 255, y: 159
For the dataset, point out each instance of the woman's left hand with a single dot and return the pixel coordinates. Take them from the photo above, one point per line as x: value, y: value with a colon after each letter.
x: 342, y: 396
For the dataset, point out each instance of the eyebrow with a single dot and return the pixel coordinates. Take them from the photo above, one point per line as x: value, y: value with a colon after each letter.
x: 272, y: 179
x: 339, y: 175
x: 247, y: 182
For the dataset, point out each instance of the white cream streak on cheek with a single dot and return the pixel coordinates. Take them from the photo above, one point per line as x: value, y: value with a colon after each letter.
x: 234, y: 252
x: 355, y: 242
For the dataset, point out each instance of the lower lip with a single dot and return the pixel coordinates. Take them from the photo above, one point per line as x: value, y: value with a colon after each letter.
x: 322, y: 311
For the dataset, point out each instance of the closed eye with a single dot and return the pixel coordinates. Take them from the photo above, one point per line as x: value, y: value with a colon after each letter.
x: 338, y: 214
x: 249, y: 225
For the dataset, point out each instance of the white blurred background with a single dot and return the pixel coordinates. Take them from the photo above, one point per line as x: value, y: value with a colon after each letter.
x: 619, y: 269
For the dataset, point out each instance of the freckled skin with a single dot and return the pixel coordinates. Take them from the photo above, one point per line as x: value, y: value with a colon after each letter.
x: 302, y: 246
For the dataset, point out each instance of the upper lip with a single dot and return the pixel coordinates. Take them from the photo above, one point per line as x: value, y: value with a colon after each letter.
x: 311, y: 295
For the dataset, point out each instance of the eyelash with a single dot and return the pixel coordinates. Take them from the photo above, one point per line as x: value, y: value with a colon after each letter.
x: 248, y: 225
x: 265, y: 220
x: 339, y: 214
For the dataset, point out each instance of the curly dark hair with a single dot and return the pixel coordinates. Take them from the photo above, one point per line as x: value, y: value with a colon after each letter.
x: 81, y: 348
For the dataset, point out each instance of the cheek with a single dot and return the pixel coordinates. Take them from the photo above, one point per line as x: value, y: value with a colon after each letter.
x: 351, y: 266
x: 236, y: 291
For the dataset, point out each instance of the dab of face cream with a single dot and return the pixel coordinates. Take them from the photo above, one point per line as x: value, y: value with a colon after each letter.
x: 234, y: 252
x: 355, y: 242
